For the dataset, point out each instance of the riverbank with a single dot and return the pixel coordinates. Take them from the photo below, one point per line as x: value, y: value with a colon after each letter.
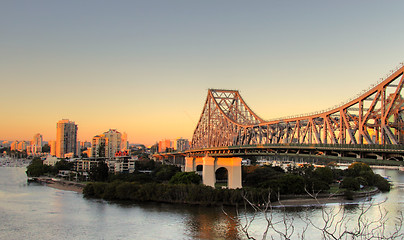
x: 287, y: 200
x: 60, y: 184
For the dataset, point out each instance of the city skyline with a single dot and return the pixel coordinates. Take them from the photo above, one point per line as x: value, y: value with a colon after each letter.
x: 144, y: 67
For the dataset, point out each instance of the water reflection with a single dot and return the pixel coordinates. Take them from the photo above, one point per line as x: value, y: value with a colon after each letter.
x: 38, y: 212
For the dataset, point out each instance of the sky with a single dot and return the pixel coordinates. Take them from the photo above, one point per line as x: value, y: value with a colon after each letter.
x: 144, y: 67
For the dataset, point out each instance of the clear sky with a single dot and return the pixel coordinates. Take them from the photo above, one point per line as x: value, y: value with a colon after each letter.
x: 144, y: 67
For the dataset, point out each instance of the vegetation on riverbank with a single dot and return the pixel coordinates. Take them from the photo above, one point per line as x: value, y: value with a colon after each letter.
x: 167, y: 184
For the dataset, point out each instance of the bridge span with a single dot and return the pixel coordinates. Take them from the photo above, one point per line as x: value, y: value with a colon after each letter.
x: 370, y: 125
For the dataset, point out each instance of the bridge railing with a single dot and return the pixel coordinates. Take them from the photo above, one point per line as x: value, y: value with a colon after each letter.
x: 331, y: 146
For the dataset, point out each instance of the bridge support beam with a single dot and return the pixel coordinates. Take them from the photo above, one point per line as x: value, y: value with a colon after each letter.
x: 233, y: 166
x: 189, y: 164
x: 210, y: 165
x: 208, y: 172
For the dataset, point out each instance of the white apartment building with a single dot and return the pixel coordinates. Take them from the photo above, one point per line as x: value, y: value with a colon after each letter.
x: 109, y: 143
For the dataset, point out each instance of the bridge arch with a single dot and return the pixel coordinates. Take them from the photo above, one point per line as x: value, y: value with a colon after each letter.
x: 222, y: 177
x: 211, y: 165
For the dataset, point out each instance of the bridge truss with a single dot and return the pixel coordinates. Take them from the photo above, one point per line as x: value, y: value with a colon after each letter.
x: 374, y: 117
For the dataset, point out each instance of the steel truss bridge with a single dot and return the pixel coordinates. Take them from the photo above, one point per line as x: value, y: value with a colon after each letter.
x: 370, y: 123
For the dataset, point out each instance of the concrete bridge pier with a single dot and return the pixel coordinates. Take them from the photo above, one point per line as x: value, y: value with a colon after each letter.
x: 210, y: 165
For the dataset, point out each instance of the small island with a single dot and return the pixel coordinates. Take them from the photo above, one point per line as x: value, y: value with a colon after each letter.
x: 156, y: 182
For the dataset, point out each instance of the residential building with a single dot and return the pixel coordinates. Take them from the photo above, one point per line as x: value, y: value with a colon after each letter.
x: 166, y: 145
x: 106, y: 144
x: 98, y: 146
x: 85, y: 165
x: 66, y: 138
x: 181, y: 144
x: 122, y: 163
x: 113, y: 140
x: 36, y: 145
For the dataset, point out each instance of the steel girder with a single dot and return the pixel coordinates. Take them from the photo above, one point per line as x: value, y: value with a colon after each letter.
x: 374, y: 117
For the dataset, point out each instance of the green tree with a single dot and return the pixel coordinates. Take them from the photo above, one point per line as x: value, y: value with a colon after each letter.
x: 262, y: 177
x: 325, y: 174
x: 36, y: 168
x: 62, y: 165
x: 165, y: 172
x: 185, y: 178
x: 350, y: 183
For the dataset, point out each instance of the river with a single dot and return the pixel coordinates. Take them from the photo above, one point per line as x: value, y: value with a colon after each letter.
x: 34, y: 211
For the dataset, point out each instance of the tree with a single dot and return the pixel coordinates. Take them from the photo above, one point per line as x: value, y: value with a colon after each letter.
x: 36, y: 168
x: 46, y: 148
x: 185, y: 178
x: 165, y: 172
x: 100, y: 172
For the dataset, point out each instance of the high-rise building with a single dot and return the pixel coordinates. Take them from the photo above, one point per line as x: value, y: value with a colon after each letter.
x: 106, y: 144
x: 98, y: 146
x: 36, y: 144
x: 113, y: 140
x: 181, y: 144
x: 166, y: 145
x: 52, y: 145
x: 66, y: 138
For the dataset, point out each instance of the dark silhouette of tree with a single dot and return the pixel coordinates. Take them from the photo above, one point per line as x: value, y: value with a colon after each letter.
x: 100, y: 172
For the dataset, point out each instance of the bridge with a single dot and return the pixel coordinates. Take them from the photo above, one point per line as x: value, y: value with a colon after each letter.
x: 370, y: 125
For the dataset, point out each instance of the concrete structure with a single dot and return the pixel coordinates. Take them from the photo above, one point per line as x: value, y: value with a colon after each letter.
x: 211, y: 165
x: 66, y: 138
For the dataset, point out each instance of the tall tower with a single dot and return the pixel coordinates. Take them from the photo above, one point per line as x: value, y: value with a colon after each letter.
x: 66, y: 138
x: 36, y: 143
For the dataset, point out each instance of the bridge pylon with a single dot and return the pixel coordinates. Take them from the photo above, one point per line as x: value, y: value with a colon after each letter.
x: 211, y: 164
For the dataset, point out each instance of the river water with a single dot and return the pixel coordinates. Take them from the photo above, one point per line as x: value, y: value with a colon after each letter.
x: 34, y: 211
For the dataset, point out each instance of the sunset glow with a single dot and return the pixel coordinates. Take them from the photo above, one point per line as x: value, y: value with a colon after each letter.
x: 144, y: 67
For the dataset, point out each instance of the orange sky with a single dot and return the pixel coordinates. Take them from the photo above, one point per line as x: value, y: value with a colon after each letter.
x: 144, y: 68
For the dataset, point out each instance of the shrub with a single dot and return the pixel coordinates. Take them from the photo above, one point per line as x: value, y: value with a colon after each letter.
x: 381, y: 183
